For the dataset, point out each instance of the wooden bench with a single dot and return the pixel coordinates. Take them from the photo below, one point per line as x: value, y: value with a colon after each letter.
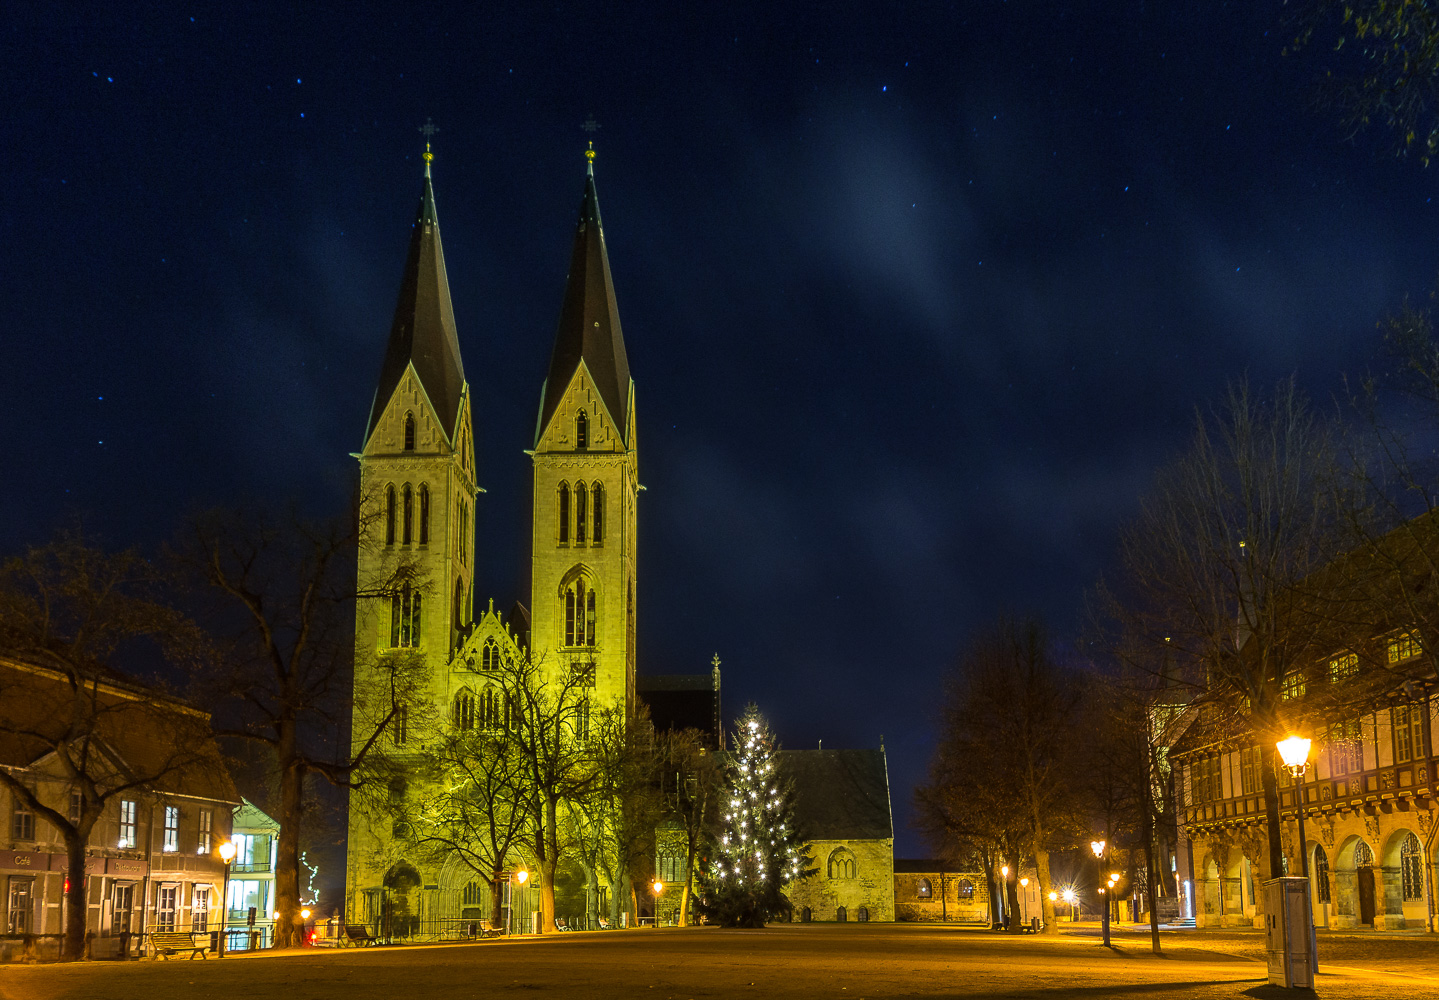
x: 359, y: 934
x: 167, y: 943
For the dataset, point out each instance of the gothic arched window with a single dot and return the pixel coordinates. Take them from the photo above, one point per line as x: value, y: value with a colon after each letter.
x: 564, y: 509
x: 597, y: 514
x: 841, y: 863
x: 965, y: 889
x: 409, y: 432
x: 1321, y: 874
x: 1363, y: 856
x: 459, y: 602
x: 490, y: 655
x: 390, y: 514
x: 489, y: 709
x: 579, y: 614
x: 582, y: 431
x: 408, y: 504
x: 1411, y: 869
x: 581, y: 521
x: 405, y: 618
x: 424, y: 514
x: 925, y: 889
x: 464, y: 710
x: 472, y: 894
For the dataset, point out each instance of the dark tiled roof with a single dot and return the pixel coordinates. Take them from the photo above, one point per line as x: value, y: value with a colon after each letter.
x: 683, y: 701
x: 840, y: 794
x: 424, y: 328
x: 589, y: 328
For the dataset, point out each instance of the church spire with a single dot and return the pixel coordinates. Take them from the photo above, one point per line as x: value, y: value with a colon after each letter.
x: 589, y: 329
x: 423, y: 331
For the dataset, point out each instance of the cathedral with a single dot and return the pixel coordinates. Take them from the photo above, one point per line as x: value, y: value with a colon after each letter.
x: 418, y: 489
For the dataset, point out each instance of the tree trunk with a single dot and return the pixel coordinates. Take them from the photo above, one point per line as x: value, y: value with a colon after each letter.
x: 689, y: 886
x: 1011, y: 895
x: 497, y: 898
x: 1041, y: 864
x: 989, y: 882
x: 549, y: 864
x: 289, y: 927
x: 77, y: 908
x: 1270, y: 784
x: 1151, y: 876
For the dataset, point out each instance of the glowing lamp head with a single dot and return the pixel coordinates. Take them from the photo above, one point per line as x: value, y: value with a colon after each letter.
x: 1295, y: 751
x: 522, y: 876
x: 658, y: 887
x: 227, y: 852
x: 1005, y: 871
x: 1054, y: 897
x: 1069, y: 895
x: 305, y: 914
x: 1024, y: 882
x: 274, y: 914
x: 1097, y: 846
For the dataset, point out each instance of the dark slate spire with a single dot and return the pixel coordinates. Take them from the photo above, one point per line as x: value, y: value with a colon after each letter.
x: 424, y: 328
x: 589, y: 329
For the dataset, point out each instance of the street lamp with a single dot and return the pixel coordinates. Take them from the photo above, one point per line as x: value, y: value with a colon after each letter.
x: 1295, y: 753
x: 1072, y: 900
x: 1023, y: 900
x: 1097, y: 846
x: 658, y: 887
x: 227, y: 854
x: 521, y: 877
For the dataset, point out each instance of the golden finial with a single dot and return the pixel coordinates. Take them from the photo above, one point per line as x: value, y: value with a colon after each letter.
x: 590, y: 156
x: 428, y: 130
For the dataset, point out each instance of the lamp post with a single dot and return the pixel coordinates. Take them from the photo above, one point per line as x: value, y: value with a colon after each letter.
x: 1073, y: 901
x: 658, y: 887
x: 1004, y: 895
x: 1295, y: 753
x: 1097, y: 846
x: 521, y: 877
x: 227, y: 855
x: 1023, y: 900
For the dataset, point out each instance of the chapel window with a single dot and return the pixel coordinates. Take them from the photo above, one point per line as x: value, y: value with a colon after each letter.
x: 965, y: 889
x: 490, y: 655
x: 490, y: 709
x: 579, y: 615
x: 390, y: 514
x: 405, y: 618
x: 464, y: 710
x: 841, y: 864
x: 582, y: 431
x: 409, y: 513
x: 459, y: 602
x: 597, y: 514
x: 564, y: 513
x: 424, y: 514
x: 926, y: 890
x: 409, y: 432
x: 581, y: 521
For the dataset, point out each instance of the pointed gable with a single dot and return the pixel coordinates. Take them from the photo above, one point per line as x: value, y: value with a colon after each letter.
x: 589, y: 328
x: 423, y: 333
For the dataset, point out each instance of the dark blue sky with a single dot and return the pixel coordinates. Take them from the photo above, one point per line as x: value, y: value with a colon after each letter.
x: 917, y: 297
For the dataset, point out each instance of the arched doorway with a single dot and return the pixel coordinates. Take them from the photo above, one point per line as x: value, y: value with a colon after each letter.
x: 1322, y: 886
x: 1353, y: 884
x: 399, y: 910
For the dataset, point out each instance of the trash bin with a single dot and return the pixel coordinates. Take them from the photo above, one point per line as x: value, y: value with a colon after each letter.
x: 1287, y: 923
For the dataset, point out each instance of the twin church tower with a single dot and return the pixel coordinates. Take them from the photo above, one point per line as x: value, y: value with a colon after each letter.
x: 419, y: 486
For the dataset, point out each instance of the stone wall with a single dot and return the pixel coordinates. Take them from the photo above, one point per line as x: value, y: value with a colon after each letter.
x: 949, y: 897
x: 853, y: 874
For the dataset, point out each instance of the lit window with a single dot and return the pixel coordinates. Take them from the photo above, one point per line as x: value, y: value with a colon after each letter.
x: 207, y: 821
x: 1404, y: 647
x: 925, y: 891
x: 1294, y: 685
x: 597, y: 514
x: 22, y: 905
x: 582, y: 431
x: 1343, y: 667
x: 171, y: 841
x: 409, y: 432
x: 424, y: 514
x: 128, y: 832
x: 390, y: 515
x: 965, y: 889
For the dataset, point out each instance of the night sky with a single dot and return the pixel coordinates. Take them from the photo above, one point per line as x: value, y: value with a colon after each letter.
x: 916, y: 297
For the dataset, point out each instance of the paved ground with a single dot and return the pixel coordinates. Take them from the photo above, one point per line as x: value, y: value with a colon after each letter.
x: 853, y: 961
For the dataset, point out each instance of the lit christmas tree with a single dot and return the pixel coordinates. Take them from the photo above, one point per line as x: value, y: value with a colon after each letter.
x: 758, y: 851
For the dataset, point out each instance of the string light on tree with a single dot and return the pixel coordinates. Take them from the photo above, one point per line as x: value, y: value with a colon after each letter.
x: 759, y: 851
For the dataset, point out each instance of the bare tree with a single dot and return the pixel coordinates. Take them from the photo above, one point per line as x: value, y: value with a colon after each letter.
x: 1218, y: 590
x: 68, y: 612
x: 1007, y: 746
x: 288, y: 670
x: 691, y: 778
